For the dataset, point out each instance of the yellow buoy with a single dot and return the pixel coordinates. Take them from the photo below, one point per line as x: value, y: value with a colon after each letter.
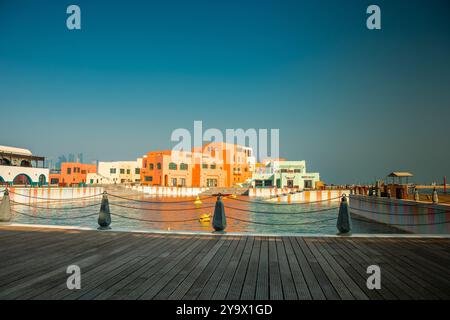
x: 204, y: 218
x: 197, y: 201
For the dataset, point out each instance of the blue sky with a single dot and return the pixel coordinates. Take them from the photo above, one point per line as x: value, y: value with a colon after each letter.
x: 356, y: 104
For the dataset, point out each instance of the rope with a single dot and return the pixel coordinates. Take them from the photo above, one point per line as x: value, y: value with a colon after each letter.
x: 67, y: 208
x: 273, y: 212
x: 283, y: 204
x: 405, y: 225
x: 53, y: 218
x: 281, y: 224
x: 373, y: 200
x: 146, y: 201
x: 145, y: 220
x: 397, y: 214
x: 158, y: 209
x: 53, y: 199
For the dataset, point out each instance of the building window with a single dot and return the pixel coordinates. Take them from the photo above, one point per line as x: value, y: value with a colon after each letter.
x: 112, y: 170
x: 69, y: 170
x: 211, y: 182
x: 183, y: 182
x: 204, y: 166
x: 172, y: 166
x: 128, y: 171
x: 183, y: 166
x: 174, y: 182
x: 158, y: 166
x: 122, y: 171
x: 148, y: 178
x: 137, y: 171
x: 151, y: 166
x: 213, y: 166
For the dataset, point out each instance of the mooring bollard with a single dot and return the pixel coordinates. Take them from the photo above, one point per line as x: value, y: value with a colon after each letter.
x: 377, y: 189
x: 219, y: 219
x: 5, y: 208
x: 434, y: 196
x: 104, y: 216
x: 344, y: 223
x: 416, y: 195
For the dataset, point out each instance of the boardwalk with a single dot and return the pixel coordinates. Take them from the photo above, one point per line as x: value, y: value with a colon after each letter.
x: 117, y: 265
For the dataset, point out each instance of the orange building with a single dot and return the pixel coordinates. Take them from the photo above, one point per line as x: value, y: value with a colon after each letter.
x: 213, y: 165
x: 208, y: 171
x: 72, y: 173
x: 167, y: 168
x: 235, y: 159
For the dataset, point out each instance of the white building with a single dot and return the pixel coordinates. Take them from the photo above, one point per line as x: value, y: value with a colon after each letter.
x: 20, y: 167
x: 116, y: 172
x: 284, y: 174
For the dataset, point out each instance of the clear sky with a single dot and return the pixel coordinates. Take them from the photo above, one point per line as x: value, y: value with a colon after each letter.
x: 356, y: 104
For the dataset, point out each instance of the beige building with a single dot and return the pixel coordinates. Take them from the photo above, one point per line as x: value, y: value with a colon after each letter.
x: 116, y: 172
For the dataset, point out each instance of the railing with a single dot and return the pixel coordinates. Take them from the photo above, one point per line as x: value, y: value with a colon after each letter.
x: 218, y: 218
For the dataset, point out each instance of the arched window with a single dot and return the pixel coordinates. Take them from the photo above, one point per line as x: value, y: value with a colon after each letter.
x: 172, y: 166
x: 25, y: 163
x: 42, y: 180
x: 5, y: 162
x: 22, y: 179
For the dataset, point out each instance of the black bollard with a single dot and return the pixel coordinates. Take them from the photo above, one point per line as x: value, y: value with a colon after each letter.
x: 104, y: 216
x: 344, y: 222
x: 5, y: 208
x: 219, y: 219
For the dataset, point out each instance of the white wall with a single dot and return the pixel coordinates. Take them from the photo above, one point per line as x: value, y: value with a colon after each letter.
x: 8, y: 173
x: 104, y: 169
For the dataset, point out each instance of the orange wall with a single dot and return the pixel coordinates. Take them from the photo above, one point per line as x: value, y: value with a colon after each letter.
x: 230, y: 160
x: 77, y: 174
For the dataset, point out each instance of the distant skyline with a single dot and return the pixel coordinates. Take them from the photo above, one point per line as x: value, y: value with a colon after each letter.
x: 355, y: 104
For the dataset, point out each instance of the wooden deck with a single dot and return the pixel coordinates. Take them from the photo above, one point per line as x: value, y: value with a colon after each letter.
x: 118, y: 265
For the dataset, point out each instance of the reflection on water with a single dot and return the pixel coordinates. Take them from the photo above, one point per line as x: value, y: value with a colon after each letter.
x: 299, y: 220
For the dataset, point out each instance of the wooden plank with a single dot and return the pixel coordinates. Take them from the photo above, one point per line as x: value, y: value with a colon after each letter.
x: 238, y: 281
x: 262, y: 284
x: 275, y: 284
x: 299, y: 281
x: 211, y: 286
x: 325, y: 284
x: 287, y: 280
x: 249, y: 287
x: 228, y: 275
x: 199, y: 283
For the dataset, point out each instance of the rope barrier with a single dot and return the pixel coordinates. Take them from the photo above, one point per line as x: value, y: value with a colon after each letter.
x: 54, y: 199
x: 155, y: 221
x: 53, y: 218
x: 398, y: 214
x: 283, y: 204
x: 273, y: 212
x: 159, y: 209
x: 147, y: 201
x: 374, y: 200
x: 60, y: 208
x: 405, y: 225
x: 281, y: 224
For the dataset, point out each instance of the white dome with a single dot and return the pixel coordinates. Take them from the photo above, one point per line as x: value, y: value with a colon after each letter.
x: 15, y: 150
